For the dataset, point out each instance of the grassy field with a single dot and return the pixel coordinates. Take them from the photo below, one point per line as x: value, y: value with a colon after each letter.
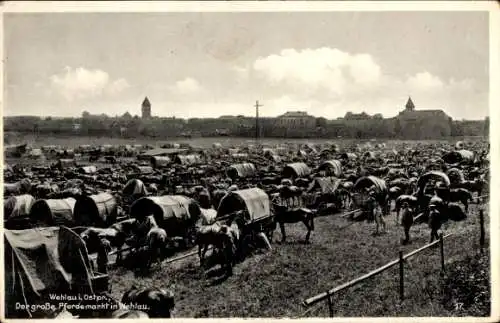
x: 274, y: 284
x: 75, y: 141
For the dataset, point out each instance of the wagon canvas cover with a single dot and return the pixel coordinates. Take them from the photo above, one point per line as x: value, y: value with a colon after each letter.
x: 334, y: 165
x: 255, y: 200
x: 43, y: 260
x: 18, y: 206
x: 164, y: 207
x: 326, y: 184
x: 241, y: 170
x: 61, y: 211
x: 297, y: 169
x: 433, y: 174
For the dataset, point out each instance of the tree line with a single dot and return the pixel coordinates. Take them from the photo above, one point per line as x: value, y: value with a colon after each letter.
x: 133, y: 127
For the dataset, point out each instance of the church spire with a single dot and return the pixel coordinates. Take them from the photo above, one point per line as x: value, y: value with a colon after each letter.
x: 409, y: 105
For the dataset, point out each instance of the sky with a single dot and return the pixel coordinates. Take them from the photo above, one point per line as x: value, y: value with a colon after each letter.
x: 211, y: 64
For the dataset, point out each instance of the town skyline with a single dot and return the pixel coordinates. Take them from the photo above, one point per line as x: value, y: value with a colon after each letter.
x: 191, y: 65
x: 151, y: 114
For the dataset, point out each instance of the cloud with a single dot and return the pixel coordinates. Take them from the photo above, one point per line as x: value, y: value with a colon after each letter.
x: 186, y: 86
x: 82, y: 83
x: 330, y: 82
x: 118, y: 86
x: 318, y: 69
x: 425, y: 81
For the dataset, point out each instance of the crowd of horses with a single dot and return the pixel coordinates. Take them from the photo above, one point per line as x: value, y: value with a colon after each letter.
x: 264, y: 187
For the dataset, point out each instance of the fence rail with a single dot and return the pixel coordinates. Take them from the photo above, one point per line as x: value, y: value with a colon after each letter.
x: 329, y: 293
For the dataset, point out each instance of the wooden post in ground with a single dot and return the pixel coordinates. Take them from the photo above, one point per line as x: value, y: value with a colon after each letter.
x: 401, y: 277
x: 330, y: 303
x: 481, y: 224
x: 441, y: 247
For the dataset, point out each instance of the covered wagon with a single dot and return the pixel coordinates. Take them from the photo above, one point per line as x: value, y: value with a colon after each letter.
x: 176, y: 214
x: 296, y: 170
x: 17, y: 206
x: 323, y: 191
x: 43, y: 261
x: 366, y: 183
x: 51, y: 212
x: 331, y: 168
x: 459, y: 156
x: 430, y: 183
x: 241, y: 170
x: 65, y: 163
x: 456, y: 176
x: 134, y: 189
x: 16, y: 211
x: 20, y: 187
x: 160, y: 161
x: 188, y: 160
x: 90, y: 169
x: 253, y: 203
x: 99, y: 210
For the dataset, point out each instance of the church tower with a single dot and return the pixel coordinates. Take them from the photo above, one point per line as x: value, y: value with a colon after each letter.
x: 409, y: 105
x: 146, y: 109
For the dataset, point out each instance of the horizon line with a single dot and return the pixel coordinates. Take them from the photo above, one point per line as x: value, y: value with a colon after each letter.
x: 219, y: 117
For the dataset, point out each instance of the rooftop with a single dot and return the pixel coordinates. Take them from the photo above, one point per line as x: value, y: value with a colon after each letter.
x: 294, y: 114
x: 146, y: 102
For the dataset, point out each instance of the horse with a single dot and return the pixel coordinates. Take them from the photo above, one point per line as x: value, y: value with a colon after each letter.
x: 407, y: 221
x: 156, y: 240
x: 207, y: 235
x: 476, y: 185
x: 394, y: 193
x: 158, y: 303
x: 378, y: 216
x: 283, y: 215
x: 461, y: 195
x: 124, y: 230
x: 345, y: 192
x: 435, y: 222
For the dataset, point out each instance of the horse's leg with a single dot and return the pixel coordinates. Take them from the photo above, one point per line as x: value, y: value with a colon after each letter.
x: 266, y: 241
x: 382, y: 221
x: 433, y: 234
x: 283, y: 234
x: 201, y: 252
x: 407, y: 234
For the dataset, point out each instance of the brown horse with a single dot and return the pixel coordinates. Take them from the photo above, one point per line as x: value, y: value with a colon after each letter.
x: 461, y: 195
x: 284, y: 215
x: 156, y: 240
x: 208, y: 235
x: 435, y: 222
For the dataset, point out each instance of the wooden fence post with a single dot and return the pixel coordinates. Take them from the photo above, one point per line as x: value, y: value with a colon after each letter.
x: 401, y: 277
x: 330, y: 303
x: 481, y: 224
x: 441, y: 247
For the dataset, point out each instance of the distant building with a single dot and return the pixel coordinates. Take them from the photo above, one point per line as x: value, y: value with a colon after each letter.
x: 424, y: 124
x: 296, y: 119
x: 146, y: 108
